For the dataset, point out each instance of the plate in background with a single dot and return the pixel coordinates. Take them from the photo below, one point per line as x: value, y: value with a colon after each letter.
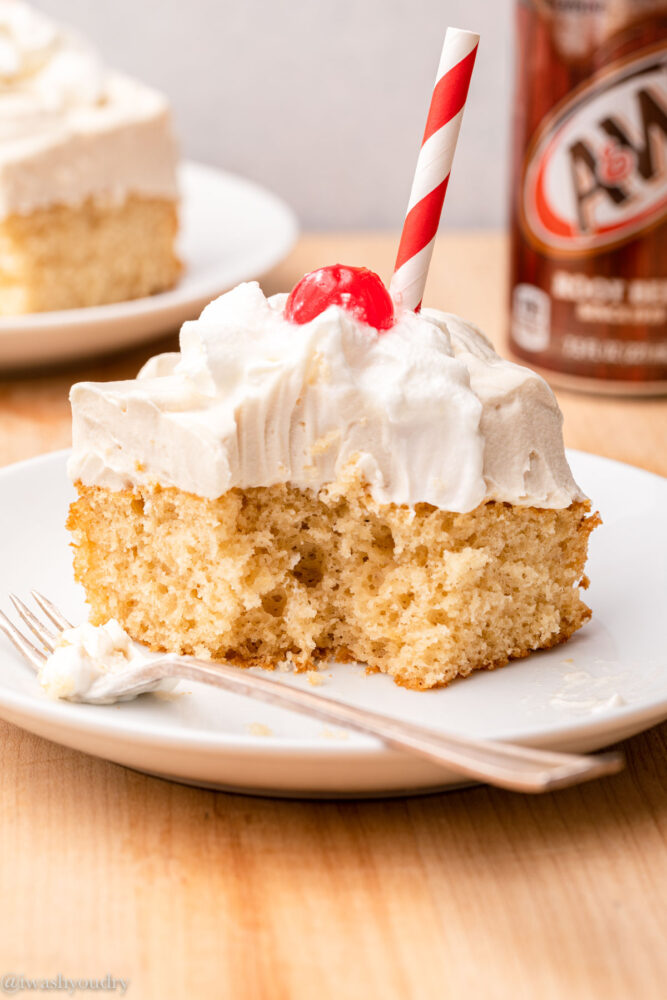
x: 608, y: 682
x: 232, y: 231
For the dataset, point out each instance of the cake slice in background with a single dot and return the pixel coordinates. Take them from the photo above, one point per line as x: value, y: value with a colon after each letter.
x: 324, y: 477
x: 88, y: 189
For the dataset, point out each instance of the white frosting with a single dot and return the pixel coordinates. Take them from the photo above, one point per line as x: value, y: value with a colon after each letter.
x: 87, y: 658
x: 68, y: 128
x: 425, y: 412
x: 584, y: 692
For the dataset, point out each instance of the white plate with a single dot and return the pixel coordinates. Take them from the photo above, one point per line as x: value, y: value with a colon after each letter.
x: 232, y: 230
x: 206, y: 737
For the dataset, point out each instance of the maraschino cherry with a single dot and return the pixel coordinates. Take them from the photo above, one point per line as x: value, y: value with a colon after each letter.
x: 355, y: 289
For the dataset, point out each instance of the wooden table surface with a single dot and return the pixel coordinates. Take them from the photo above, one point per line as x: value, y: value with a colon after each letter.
x: 477, y: 893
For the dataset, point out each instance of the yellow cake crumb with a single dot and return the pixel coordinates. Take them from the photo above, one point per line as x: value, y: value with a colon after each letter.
x: 269, y: 574
x: 68, y: 257
x: 259, y: 729
x: 334, y: 734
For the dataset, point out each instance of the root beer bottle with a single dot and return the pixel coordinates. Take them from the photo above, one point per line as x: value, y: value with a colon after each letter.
x: 589, y: 194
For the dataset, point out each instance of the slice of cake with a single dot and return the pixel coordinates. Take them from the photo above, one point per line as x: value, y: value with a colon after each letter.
x: 88, y: 192
x: 318, y: 477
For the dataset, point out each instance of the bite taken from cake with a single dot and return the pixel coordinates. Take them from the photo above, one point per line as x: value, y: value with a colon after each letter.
x: 335, y: 474
x: 88, y: 186
x: 327, y: 476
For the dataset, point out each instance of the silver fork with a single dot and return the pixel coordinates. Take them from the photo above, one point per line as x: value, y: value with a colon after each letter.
x: 519, y: 768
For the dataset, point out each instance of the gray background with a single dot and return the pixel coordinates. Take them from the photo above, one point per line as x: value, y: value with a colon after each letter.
x: 324, y: 101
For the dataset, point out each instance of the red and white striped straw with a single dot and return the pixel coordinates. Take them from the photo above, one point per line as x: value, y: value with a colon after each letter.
x: 434, y: 165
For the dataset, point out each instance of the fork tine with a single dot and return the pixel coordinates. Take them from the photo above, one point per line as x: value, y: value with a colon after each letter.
x: 34, y: 656
x: 44, y: 634
x: 49, y: 609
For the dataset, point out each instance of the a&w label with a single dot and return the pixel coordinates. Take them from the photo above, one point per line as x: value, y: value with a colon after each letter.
x: 596, y: 174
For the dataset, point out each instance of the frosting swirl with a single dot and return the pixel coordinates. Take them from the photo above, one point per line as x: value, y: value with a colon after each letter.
x: 69, y: 128
x: 43, y: 71
x: 424, y: 412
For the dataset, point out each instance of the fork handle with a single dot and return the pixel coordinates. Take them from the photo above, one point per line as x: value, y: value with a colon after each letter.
x: 523, y: 769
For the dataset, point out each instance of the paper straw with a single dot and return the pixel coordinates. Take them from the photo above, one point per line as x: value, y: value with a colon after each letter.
x: 434, y: 165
